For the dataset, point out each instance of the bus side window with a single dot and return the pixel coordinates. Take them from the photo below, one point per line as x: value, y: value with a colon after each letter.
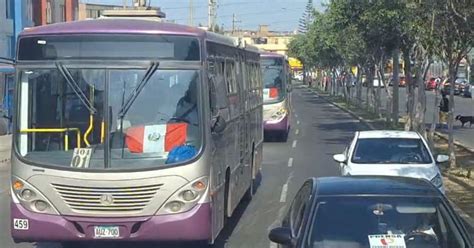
x: 219, y: 85
x: 212, y: 70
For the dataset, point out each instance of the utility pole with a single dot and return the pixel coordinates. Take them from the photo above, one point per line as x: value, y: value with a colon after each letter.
x: 212, y: 4
x: 234, y: 21
x: 191, y: 13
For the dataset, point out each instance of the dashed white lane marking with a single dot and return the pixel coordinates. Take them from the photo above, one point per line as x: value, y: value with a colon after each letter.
x: 290, y: 162
x: 297, y: 122
x: 284, y: 191
x: 294, y: 143
x: 273, y: 245
x: 297, y: 131
x: 296, y: 116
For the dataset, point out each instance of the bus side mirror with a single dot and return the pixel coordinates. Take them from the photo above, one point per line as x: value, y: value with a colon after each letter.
x: 218, y: 124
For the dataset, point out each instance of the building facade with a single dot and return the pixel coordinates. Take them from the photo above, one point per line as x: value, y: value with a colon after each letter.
x: 92, y: 11
x: 265, y: 39
x: 53, y: 11
x: 15, y: 15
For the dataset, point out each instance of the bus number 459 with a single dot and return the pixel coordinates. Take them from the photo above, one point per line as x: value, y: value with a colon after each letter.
x: 20, y: 224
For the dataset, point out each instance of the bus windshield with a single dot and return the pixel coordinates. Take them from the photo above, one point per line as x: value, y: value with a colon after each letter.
x: 273, y: 78
x: 62, y: 109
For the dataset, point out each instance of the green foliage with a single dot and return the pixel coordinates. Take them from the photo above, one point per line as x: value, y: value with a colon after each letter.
x: 359, y: 32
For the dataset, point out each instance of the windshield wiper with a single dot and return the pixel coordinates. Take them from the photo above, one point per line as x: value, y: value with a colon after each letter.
x: 131, y: 98
x: 75, y: 87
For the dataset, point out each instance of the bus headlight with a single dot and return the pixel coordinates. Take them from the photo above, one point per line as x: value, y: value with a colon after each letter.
x: 186, y: 197
x: 278, y: 115
x: 189, y: 195
x: 27, y: 194
x: 30, y: 198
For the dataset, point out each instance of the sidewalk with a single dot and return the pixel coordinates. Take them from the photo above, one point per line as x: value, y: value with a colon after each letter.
x: 463, y: 106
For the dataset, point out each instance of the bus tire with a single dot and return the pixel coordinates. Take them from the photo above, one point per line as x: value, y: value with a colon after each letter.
x: 226, y: 196
x: 251, y: 190
x: 72, y: 245
x: 284, y: 136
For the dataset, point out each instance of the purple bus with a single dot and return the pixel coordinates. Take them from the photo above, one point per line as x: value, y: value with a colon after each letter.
x: 134, y: 130
x: 276, y: 95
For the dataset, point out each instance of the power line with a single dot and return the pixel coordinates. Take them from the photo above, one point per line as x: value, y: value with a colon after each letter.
x: 245, y: 14
x: 206, y: 5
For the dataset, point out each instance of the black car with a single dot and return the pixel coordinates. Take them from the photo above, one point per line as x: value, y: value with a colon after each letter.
x: 368, y: 211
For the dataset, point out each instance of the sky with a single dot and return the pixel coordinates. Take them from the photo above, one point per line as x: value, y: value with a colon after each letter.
x: 281, y: 15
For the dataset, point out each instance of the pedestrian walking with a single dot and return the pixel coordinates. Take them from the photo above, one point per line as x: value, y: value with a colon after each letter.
x: 443, y: 110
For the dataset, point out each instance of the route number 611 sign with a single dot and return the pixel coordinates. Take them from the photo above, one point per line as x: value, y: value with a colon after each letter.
x: 81, y: 157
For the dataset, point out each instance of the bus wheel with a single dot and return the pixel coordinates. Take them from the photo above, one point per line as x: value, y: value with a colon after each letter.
x: 251, y: 190
x: 226, y: 196
x: 283, y: 136
x: 72, y: 245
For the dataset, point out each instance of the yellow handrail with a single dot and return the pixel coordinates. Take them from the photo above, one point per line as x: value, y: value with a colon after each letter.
x: 102, y: 132
x: 89, y: 130
x: 57, y: 130
x: 91, y: 118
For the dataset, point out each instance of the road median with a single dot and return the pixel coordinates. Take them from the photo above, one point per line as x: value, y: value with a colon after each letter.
x: 459, y: 184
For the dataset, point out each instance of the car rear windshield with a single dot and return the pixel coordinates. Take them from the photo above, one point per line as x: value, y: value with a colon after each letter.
x: 391, y: 151
x: 164, y: 47
x: 352, y: 222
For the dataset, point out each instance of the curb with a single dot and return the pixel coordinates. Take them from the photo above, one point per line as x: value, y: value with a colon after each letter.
x: 469, y: 221
x: 466, y: 217
x: 457, y: 143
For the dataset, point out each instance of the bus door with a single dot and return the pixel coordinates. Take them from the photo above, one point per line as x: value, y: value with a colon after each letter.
x: 244, y: 118
x: 7, y: 78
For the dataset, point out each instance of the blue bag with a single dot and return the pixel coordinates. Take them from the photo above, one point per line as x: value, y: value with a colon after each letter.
x: 181, y: 153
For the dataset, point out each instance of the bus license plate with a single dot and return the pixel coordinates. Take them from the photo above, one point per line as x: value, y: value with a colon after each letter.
x: 101, y: 232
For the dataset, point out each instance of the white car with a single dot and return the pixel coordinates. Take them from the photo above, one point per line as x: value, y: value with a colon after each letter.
x: 391, y: 153
x: 299, y: 77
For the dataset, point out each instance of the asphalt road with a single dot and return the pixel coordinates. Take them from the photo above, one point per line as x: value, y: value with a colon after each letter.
x: 318, y: 131
x: 462, y: 106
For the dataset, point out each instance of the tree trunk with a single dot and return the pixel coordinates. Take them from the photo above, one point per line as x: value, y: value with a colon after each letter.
x: 388, y: 102
x: 396, y: 83
x: 410, y: 99
x: 378, y: 102
x: 359, y: 86
x: 367, y: 89
x: 304, y: 74
x: 370, y: 87
x: 434, y: 119
x: 421, y: 105
x: 452, y: 78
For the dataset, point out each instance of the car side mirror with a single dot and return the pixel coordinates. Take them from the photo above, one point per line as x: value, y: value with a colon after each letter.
x: 218, y: 124
x: 442, y: 158
x: 281, y: 235
x: 341, y: 158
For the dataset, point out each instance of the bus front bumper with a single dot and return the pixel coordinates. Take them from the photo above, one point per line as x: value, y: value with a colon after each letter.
x: 281, y: 125
x: 193, y: 225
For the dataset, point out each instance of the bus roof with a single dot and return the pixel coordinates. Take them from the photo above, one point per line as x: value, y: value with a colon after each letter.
x: 271, y: 55
x: 125, y: 26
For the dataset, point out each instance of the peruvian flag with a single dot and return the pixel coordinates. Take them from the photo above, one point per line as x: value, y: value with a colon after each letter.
x: 270, y: 93
x: 156, y: 138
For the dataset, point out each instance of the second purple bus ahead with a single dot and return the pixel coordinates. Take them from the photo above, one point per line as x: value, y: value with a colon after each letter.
x: 132, y: 130
x: 276, y: 95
